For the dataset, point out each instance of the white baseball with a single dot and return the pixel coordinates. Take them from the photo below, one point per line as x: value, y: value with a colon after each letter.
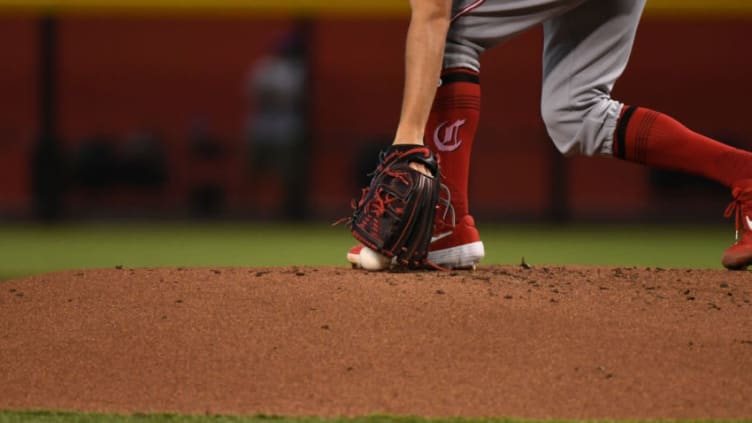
x: 373, y: 261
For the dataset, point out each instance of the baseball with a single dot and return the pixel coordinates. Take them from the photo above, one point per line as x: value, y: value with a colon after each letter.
x: 373, y: 261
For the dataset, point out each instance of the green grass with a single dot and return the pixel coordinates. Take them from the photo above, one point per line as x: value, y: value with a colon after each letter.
x: 31, y: 249
x: 34, y: 249
x: 625, y: 245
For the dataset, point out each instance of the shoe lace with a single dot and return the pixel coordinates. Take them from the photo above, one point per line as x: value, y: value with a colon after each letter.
x: 737, y: 208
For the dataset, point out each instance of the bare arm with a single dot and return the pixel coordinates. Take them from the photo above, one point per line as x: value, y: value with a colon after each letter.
x: 424, y: 52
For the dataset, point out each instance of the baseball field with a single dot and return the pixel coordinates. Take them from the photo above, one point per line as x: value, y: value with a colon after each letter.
x: 226, y: 322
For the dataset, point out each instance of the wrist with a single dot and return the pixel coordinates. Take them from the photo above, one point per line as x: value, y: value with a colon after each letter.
x: 408, y: 137
x: 407, y: 142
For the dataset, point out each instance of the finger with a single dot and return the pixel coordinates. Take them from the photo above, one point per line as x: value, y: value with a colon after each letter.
x: 420, y: 167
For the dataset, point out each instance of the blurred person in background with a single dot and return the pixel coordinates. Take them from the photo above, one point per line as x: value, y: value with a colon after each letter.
x: 277, y: 132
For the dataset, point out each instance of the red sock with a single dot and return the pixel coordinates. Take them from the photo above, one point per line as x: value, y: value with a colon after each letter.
x: 451, y: 130
x: 649, y: 137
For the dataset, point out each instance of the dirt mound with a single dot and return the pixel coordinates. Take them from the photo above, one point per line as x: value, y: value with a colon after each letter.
x: 500, y: 341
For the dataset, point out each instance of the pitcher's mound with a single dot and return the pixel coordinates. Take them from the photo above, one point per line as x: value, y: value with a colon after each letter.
x: 501, y: 341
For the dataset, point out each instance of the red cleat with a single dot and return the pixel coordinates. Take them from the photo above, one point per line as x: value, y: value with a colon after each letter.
x: 739, y: 255
x: 452, y: 247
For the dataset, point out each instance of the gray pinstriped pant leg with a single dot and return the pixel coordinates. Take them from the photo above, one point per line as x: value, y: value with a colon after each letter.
x: 586, y: 49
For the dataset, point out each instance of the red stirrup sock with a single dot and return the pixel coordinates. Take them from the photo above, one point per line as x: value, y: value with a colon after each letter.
x: 451, y: 130
x: 650, y: 137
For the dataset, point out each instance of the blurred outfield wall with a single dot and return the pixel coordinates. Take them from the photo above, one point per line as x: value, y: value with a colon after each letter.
x: 352, y: 8
x: 165, y: 64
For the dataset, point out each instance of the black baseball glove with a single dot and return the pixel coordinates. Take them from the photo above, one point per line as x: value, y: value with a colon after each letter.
x: 395, y: 214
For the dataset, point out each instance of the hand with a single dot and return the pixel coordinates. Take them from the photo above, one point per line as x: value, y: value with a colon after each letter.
x: 420, y: 167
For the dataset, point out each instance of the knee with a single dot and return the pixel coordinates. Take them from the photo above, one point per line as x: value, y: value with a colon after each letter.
x: 462, y: 53
x: 581, y: 127
x: 552, y: 114
x: 562, y: 122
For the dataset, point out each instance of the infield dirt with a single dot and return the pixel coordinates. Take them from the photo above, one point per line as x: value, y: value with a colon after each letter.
x: 574, y: 342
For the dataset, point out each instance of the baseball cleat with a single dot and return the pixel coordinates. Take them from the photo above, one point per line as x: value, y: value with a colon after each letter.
x: 457, y: 247
x: 739, y: 255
